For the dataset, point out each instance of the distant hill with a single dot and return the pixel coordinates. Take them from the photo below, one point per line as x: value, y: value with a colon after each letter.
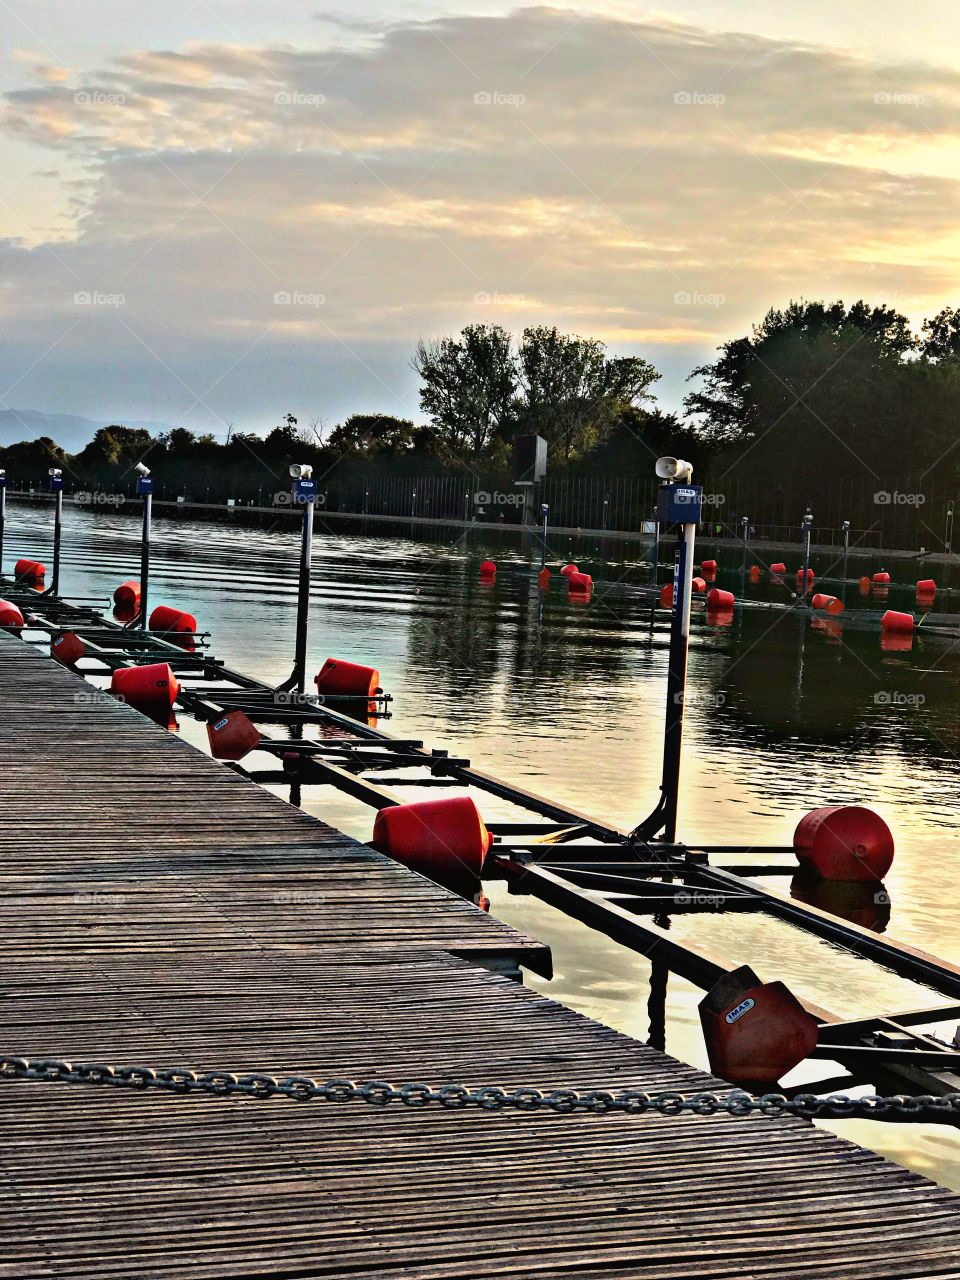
x: 66, y: 430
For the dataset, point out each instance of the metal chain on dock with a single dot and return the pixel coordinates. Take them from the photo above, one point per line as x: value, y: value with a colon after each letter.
x: 486, y: 1097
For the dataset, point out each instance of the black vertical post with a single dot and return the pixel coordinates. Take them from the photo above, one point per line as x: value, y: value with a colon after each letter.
x: 303, y: 599
x: 57, y: 529
x: 807, y: 530
x: 3, y: 512
x: 846, y: 547
x: 145, y: 559
x: 655, y: 554
x: 544, y: 511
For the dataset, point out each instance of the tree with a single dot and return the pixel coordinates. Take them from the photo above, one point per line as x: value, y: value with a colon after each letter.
x: 941, y: 339
x: 366, y: 434
x: 115, y: 445
x: 572, y: 390
x: 469, y: 387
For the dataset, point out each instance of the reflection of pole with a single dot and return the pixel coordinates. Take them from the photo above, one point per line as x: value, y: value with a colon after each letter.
x: 657, y: 1005
x: 145, y: 559
x: 57, y: 530
x: 303, y: 599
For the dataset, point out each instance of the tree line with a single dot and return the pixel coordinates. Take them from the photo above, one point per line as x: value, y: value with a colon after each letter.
x: 815, y: 390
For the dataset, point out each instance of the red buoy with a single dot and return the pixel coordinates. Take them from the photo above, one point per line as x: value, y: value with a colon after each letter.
x: 543, y: 578
x: 755, y: 1032
x: 152, y: 690
x: 698, y: 584
x: 894, y: 621
x: 754, y: 573
x: 720, y: 600
x: 127, y: 595
x: 926, y: 587
x: 708, y: 566
x: 865, y: 585
x: 830, y: 604
x: 442, y: 839
x: 844, y: 842
x: 166, y: 618
x: 579, y: 582
x: 666, y: 595
x: 778, y: 568
x: 232, y: 736
x: 30, y: 570
x: 349, y: 679
x: 882, y: 579
x: 809, y: 575
x: 10, y: 615
x: 488, y: 569
x: 568, y: 569
x: 67, y: 647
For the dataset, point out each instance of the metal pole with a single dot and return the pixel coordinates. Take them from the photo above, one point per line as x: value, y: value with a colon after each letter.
x: 145, y: 559
x: 57, y: 528
x: 948, y: 530
x: 655, y: 553
x: 3, y: 514
x: 846, y: 546
x: 807, y: 527
x: 544, y: 511
x: 303, y: 599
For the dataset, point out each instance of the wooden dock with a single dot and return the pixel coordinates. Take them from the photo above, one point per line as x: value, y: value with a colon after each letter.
x: 158, y: 909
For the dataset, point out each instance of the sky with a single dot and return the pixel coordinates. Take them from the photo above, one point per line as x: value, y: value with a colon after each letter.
x: 216, y: 212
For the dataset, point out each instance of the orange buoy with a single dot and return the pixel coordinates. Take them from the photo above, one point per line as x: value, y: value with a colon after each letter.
x: 778, y: 568
x: 809, y: 575
x: 568, y: 569
x: 894, y: 621
x: 152, y: 690
x: 488, y: 569
x: 579, y: 582
x: 844, y: 842
x: 232, y: 736
x: 754, y: 573
x: 720, y: 600
x: 708, y: 566
x: 349, y: 679
x: 830, y: 604
x: 543, y: 578
x: 926, y: 587
x: 30, y: 570
x: 698, y: 584
x: 166, y: 618
x: 440, y: 838
x: 10, y: 615
x: 882, y: 579
x: 127, y: 595
x: 67, y: 647
x: 865, y: 585
x: 755, y: 1032
x: 666, y: 595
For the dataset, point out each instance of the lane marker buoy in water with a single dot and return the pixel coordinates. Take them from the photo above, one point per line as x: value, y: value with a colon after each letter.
x: 443, y: 839
x: 844, y: 842
x: 232, y: 736
x: 755, y: 1032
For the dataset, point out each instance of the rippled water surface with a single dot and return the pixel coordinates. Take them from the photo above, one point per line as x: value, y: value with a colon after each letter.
x: 567, y: 699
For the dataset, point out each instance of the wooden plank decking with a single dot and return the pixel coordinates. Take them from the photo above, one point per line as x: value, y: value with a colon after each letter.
x: 155, y: 908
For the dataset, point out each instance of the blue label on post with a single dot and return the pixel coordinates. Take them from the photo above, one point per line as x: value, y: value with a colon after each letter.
x: 144, y: 485
x: 679, y: 503
x: 3, y: 482
x: 305, y: 490
x: 56, y: 483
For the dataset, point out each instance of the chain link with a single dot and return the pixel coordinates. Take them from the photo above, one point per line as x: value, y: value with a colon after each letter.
x: 487, y: 1097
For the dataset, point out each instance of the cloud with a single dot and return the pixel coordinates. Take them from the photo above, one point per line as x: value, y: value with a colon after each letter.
x: 647, y: 182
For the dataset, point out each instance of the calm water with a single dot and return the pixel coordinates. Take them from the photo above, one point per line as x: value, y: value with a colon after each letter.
x: 568, y: 700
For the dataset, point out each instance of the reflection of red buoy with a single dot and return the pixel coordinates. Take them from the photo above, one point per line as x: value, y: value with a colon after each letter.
x: 568, y: 569
x: 699, y: 585
x: 719, y: 617
x: 894, y: 621
x: 831, y: 628
x: 778, y: 568
x: 881, y: 579
x: 152, y: 689
x: 349, y: 679
x: 10, y: 615
x: 166, y: 618
x: 488, y: 569
x: 755, y: 573
x: 844, y: 842
x: 666, y: 595
x: 439, y: 838
x: 829, y: 604
x: 232, y: 736
x: 859, y: 902
x: 127, y: 595
x: 755, y: 1032
x: 30, y: 570
x: 543, y: 577
x: 720, y: 600
x: 896, y: 641
x: 67, y: 648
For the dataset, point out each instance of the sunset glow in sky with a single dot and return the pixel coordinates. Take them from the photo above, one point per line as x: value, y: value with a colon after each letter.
x: 224, y: 211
